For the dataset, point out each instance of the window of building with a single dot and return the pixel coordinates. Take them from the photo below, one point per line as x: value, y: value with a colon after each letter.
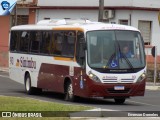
x: 123, y: 22
x: 22, y: 19
x: 145, y: 28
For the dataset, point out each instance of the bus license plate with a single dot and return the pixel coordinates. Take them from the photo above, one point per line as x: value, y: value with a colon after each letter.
x: 118, y: 87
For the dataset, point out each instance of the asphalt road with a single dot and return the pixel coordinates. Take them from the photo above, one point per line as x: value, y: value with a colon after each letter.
x: 150, y: 102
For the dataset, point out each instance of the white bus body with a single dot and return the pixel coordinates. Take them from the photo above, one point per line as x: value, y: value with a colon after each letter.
x: 78, y: 58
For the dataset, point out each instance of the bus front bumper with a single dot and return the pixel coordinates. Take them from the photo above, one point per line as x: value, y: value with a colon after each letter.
x: 114, y: 90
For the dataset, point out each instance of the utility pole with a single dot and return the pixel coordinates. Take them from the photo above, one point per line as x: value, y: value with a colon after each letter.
x: 15, y: 15
x: 154, y: 54
x: 155, y: 66
x: 101, y: 8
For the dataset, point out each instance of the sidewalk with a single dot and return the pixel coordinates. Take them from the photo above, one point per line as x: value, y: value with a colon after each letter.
x: 2, y: 69
x: 149, y: 85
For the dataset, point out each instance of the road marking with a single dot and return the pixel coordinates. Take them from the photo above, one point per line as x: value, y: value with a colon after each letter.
x: 4, y: 76
x: 141, y: 103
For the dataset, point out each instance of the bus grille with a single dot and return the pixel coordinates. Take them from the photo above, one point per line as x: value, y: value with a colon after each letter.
x: 109, y: 81
x: 127, y: 80
x: 111, y: 90
x: 118, y: 81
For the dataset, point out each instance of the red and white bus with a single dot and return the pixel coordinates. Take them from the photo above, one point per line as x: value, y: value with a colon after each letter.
x: 79, y: 58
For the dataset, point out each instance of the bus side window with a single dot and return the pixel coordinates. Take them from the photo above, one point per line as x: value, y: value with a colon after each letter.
x: 24, y: 41
x: 69, y: 44
x: 45, y: 42
x: 80, y: 51
x: 14, y: 40
x: 35, y: 41
x: 52, y: 43
x: 58, y: 40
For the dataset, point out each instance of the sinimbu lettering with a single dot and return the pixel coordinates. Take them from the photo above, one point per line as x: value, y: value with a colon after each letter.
x: 28, y: 63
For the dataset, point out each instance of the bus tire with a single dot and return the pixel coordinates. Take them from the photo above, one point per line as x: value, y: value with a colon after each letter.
x: 119, y: 100
x: 38, y: 91
x: 69, y: 96
x: 28, y: 88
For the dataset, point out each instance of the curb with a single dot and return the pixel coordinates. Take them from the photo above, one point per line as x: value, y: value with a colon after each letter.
x: 153, y: 87
x: 4, y: 69
x: 87, y: 113
x: 95, y: 114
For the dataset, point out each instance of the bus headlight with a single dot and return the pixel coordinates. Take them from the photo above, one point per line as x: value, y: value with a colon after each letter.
x: 142, y: 77
x: 93, y: 77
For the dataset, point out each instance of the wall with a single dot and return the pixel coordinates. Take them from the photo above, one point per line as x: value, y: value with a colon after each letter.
x: 4, y: 37
x: 4, y: 33
x: 93, y: 3
x: 22, y: 11
x: 74, y: 14
x: 32, y: 16
x: 68, y: 3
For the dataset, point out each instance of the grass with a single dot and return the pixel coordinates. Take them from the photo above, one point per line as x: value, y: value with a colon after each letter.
x: 26, y: 104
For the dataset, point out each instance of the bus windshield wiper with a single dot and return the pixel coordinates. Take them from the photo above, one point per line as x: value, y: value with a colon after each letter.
x: 111, y: 58
x: 129, y: 63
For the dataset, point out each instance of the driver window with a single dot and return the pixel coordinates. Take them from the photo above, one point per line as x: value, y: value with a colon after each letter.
x: 80, y: 57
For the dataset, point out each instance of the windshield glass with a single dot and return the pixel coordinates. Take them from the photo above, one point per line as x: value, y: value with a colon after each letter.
x: 116, y: 49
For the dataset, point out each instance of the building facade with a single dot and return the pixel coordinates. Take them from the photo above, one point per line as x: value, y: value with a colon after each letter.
x: 23, y: 13
x: 142, y: 14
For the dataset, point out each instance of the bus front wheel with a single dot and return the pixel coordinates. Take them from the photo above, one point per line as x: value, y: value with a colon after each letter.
x: 119, y: 100
x: 69, y: 96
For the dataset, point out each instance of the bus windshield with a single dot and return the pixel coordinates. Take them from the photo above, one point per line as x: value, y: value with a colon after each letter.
x: 115, y: 50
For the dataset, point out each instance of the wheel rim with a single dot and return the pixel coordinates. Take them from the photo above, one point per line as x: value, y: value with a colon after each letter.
x: 70, y: 91
x: 27, y: 84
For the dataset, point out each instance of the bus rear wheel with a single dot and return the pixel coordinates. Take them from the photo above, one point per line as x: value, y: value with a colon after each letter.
x: 119, y: 100
x: 69, y: 96
x: 29, y: 90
